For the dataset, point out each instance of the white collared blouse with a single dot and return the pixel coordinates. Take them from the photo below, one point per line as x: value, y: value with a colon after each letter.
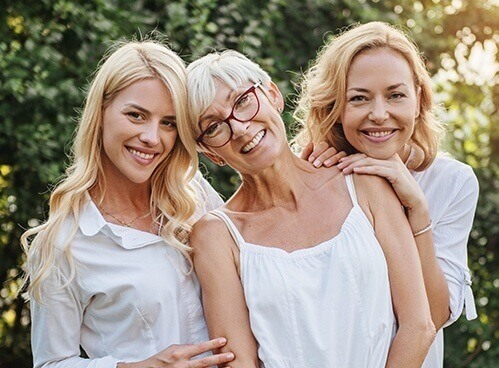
x: 451, y: 190
x: 130, y: 297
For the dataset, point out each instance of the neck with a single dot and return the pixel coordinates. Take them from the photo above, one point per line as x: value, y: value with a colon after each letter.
x: 128, y: 199
x: 278, y: 185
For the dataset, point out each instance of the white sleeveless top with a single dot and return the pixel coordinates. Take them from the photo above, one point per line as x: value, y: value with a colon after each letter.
x: 325, y: 306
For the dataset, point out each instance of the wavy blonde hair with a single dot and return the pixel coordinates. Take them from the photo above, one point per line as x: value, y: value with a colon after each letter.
x: 172, y: 196
x: 323, y: 90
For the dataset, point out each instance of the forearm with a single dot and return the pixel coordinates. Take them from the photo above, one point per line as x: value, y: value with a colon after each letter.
x: 434, y: 279
x: 410, y: 346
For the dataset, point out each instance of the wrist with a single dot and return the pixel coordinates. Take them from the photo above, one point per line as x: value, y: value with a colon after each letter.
x: 418, y: 208
x: 418, y: 214
x: 141, y: 364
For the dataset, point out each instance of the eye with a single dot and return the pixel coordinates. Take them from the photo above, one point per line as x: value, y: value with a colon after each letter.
x: 244, y: 100
x: 357, y: 98
x: 135, y: 115
x: 213, y: 129
x: 169, y: 124
x: 397, y: 95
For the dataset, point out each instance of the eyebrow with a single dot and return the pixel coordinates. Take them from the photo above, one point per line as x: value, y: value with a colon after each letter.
x: 207, y: 117
x: 211, y: 116
x: 389, y: 88
x: 145, y: 111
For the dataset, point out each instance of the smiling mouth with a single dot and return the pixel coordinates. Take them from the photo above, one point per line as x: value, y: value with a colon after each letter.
x: 142, y: 155
x: 254, y: 142
x: 378, y: 134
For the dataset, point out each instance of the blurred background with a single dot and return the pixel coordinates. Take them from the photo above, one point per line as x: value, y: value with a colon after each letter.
x: 49, y: 49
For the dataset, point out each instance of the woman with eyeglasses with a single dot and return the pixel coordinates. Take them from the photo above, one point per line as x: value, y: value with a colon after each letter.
x: 302, y: 267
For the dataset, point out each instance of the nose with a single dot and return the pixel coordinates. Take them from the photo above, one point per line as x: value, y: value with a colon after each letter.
x: 238, y: 128
x: 378, y: 113
x: 150, y: 134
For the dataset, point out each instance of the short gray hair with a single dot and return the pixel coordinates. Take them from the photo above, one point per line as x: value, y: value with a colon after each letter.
x: 228, y: 67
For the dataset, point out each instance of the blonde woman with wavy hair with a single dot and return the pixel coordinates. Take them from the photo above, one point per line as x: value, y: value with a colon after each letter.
x: 368, y: 93
x: 109, y: 270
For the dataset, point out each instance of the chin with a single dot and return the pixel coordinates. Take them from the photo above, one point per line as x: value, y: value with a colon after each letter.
x: 380, y: 155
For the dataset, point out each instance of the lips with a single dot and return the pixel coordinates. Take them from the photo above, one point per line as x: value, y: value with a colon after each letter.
x: 254, y: 142
x: 141, y: 154
x: 379, y: 135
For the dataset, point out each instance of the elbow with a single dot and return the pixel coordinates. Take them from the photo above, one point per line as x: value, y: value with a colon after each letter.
x: 426, y: 332
x: 423, y: 331
x: 430, y: 332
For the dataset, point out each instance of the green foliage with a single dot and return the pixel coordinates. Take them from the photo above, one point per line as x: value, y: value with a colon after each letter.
x: 49, y: 49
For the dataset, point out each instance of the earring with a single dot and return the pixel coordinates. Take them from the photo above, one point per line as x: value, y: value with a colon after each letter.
x: 221, y: 163
x: 279, y: 110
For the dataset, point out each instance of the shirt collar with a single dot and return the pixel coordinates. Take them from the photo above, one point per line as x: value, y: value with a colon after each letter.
x: 92, y: 222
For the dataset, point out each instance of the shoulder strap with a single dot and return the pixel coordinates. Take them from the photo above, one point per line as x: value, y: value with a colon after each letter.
x: 351, y: 189
x: 236, y: 235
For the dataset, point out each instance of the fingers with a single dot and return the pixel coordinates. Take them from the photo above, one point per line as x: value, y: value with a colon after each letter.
x: 318, y: 150
x: 332, y: 160
x: 350, y: 159
x: 305, y: 154
x: 192, y: 350
x: 371, y: 166
x: 376, y: 170
x: 209, y: 361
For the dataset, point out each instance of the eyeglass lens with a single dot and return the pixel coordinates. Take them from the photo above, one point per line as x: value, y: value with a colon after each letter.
x: 245, y: 109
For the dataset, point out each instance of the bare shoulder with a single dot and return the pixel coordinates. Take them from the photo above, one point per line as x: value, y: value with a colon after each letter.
x: 210, y: 236
x: 373, y: 190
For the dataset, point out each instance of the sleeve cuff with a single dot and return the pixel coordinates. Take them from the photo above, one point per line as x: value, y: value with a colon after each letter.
x: 463, y: 300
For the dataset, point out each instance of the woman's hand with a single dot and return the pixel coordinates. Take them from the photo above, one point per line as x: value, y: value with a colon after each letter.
x: 322, y: 154
x: 393, y: 169
x: 181, y: 356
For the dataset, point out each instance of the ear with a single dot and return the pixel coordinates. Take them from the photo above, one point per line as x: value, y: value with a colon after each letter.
x: 275, y: 96
x: 214, y: 158
x: 418, y: 102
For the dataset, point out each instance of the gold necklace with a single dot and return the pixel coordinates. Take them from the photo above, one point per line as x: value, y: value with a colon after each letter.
x: 127, y: 224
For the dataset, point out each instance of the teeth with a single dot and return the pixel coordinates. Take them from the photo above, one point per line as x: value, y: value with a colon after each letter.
x: 253, y: 142
x: 379, y: 134
x: 145, y: 156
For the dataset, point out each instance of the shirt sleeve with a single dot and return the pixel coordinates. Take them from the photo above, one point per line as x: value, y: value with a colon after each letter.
x: 209, y: 199
x: 451, y: 238
x: 55, y: 328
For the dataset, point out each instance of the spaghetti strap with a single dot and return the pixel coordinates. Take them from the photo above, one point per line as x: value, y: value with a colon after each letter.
x: 351, y: 189
x: 236, y: 235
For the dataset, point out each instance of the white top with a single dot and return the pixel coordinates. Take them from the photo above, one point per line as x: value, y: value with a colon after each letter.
x: 129, y: 300
x: 325, y: 306
x: 451, y: 190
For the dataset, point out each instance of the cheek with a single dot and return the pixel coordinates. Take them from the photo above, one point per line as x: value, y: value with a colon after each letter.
x: 349, y: 122
x: 169, y: 138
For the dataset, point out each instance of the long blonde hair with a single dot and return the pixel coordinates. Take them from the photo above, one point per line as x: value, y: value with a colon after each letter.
x: 323, y: 89
x: 172, y: 197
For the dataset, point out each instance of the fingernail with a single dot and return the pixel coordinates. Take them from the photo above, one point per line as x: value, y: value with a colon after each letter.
x: 311, y: 158
x: 340, y: 165
x: 317, y: 163
x: 222, y: 341
x: 229, y: 356
x: 342, y: 159
x: 327, y: 163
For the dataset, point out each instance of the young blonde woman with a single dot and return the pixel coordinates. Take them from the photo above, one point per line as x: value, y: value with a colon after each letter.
x: 369, y: 92
x: 108, y: 270
x: 318, y: 267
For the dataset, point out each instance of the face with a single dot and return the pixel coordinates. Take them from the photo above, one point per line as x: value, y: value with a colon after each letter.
x: 382, y: 104
x: 255, y: 143
x: 138, y: 132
